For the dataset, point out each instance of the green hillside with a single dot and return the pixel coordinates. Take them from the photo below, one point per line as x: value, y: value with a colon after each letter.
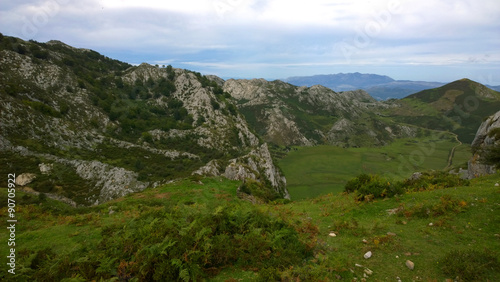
x: 459, y: 107
x: 193, y: 230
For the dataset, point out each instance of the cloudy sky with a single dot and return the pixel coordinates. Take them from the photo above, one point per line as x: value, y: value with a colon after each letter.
x: 432, y: 40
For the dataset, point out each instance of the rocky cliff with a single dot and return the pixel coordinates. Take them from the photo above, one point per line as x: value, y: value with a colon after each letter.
x: 486, y: 143
x: 289, y: 115
x: 108, y: 128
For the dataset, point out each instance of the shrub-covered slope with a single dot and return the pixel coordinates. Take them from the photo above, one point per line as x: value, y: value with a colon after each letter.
x: 101, y: 128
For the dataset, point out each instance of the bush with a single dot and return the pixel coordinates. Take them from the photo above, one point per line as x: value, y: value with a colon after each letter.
x: 367, y: 187
x: 445, y: 206
x: 214, y: 104
x: 434, y: 180
x: 357, y: 182
x: 491, y: 155
x: 43, y: 108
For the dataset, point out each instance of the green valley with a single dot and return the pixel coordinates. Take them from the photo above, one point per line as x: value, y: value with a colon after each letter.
x: 313, y: 171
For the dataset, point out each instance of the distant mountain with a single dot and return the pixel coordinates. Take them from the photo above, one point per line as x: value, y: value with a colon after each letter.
x: 459, y: 107
x: 341, y: 81
x: 496, y: 88
x: 380, y: 87
x: 399, y: 89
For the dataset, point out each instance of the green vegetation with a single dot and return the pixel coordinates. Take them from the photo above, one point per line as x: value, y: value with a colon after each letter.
x: 258, y: 189
x: 183, y: 231
x: 319, y: 170
x: 470, y: 265
x: 192, y: 230
x: 458, y: 107
x: 368, y: 187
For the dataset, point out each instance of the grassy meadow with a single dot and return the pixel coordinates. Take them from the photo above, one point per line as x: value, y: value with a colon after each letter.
x: 198, y: 229
x: 319, y: 170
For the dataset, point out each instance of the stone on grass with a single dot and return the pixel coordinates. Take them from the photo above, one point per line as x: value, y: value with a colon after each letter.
x: 368, y: 255
x: 410, y: 264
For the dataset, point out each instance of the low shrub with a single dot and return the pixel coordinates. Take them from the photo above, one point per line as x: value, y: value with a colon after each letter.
x: 445, y: 206
x: 368, y: 187
x: 185, y: 243
x: 434, y: 180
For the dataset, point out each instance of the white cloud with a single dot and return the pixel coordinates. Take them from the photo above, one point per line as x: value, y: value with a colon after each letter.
x: 271, y: 36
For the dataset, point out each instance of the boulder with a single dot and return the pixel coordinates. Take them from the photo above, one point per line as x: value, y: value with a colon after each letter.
x: 45, y: 168
x: 25, y: 179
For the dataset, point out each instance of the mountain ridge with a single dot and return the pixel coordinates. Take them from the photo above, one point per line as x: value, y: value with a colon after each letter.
x: 107, y: 128
x: 381, y: 87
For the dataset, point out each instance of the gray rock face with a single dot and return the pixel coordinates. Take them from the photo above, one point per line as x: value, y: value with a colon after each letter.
x: 289, y: 115
x: 257, y: 164
x: 212, y: 168
x: 57, y: 117
x: 112, y: 182
x: 485, y: 138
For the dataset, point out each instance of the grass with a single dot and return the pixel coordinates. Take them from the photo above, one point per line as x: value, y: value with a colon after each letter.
x: 319, y: 170
x: 474, y: 227
x: 463, y: 219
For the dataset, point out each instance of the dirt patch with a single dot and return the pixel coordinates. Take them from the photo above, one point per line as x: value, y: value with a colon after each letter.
x: 163, y: 195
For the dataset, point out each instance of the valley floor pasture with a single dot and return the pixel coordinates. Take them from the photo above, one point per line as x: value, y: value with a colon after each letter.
x: 319, y: 170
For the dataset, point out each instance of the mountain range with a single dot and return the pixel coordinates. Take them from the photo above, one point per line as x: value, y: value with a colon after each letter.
x: 380, y: 87
x: 90, y: 129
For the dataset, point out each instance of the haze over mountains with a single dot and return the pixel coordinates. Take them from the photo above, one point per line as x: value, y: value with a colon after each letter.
x: 380, y: 87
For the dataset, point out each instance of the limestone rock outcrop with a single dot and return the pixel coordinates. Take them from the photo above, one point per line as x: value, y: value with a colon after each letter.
x: 487, y: 137
x: 97, y: 128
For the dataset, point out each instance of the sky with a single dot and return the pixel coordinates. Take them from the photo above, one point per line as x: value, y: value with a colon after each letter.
x: 432, y: 40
